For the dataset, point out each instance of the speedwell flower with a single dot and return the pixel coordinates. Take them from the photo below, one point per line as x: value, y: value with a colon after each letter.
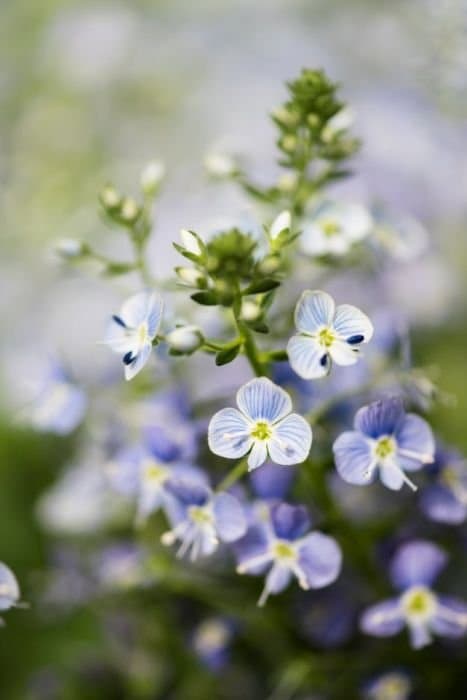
x: 388, y: 439
x: 277, y: 541
x: 334, y: 228
x: 263, y: 425
x: 445, y: 499
x: 9, y: 589
x: 413, y: 569
x: 133, y: 330
x: 203, y: 518
x: 59, y: 404
x: 391, y: 685
x: 326, y: 334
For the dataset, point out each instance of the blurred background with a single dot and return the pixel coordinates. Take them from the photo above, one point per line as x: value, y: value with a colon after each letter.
x: 90, y: 92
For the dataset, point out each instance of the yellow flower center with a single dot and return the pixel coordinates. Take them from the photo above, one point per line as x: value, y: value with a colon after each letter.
x: 326, y: 337
x: 154, y: 472
x: 330, y: 227
x: 385, y: 447
x: 261, y: 431
x: 142, y: 332
x: 284, y: 550
x: 419, y: 603
x: 200, y: 515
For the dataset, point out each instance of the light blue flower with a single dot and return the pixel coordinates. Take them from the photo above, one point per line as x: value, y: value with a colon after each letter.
x: 59, y: 404
x: 9, y: 588
x: 425, y: 613
x: 391, y: 685
x: 444, y: 500
x: 133, y: 330
x: 203, y: 520
x: 385, y: 439
x: 263, y: 425
x: 334, y: 227
x: 277, y: 542
x: 326, y: 334
x: 211, y: 642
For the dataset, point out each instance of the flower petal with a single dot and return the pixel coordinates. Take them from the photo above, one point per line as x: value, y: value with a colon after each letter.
x: 320, y: 559
x: 143, y: 307
x: 380, y: 417
x: 229, y: 517
x: 383, y: 619
x: 119, y: 339
x: 136, y: 365
x: 258, y: 455
x: 344, y: 354
x: 353, y: 458
x: 229, y: 434
x: 350, y: 323
x: 314, y: 309
x: 307, y: 357
x: 440, y: 504
x: 391, y: 476
x: 272, y: 481
x: 187, y: 491
x: 289, y: 522
x: 260, y: 399
x: 277, y: 579
x: 415, y: 442
x: 451, y: 618
x: 417, y: 563
x: 291, y: 440
x: 9, y: 587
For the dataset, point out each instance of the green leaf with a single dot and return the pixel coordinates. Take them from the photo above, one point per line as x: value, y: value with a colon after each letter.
x: 262, y: 286
x: 208, y: 298
x: 186, y: 253
x: 113, y: 269
x: 225, y: 356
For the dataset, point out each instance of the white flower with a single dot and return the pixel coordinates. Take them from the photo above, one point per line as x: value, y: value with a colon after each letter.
x: 220, y: 164
x: 334, y: 228
x: 326, y: 334
x: 152, y: 176
x: 185, y: 339
x: 263, y: 425
x: 281, y: 223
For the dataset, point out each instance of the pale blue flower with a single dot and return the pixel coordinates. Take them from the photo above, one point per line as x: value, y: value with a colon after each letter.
x: 211, y: 642
x: 277, y: 542
x: 444, y: 500
x: 387, y: 440
x: 133, y: 330
x: 263, y: 426
x: 59, y: 404
x: 203, y: 519
x: 425, y: 613
x: 9, y: 588
x: 391, y: 685
x: 334, y: 227
x: 326, y: 334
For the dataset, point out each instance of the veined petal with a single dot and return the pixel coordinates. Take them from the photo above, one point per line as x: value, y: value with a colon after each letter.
x: 450, y: 619
x: 258, y: 455
x: 314, y: 310
x: 350, y: 324
x: 353, y: 458
x: 189, y: 492
x: 417, y: 563
x: 229, y: 517
x: 344, y: 354
x: 320, y: 559
x: 289, y: 522
x: 229, y: 434
x: 383, y: 619
x: 260, y: 399
x: 415, y: 442
x: 380, y: 417
x: 142, y: 307
x: 132, y: 369
x: 291, y: 440
x: 307, y: 357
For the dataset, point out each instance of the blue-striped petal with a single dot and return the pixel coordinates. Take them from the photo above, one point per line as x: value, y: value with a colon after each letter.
x: 353, y: 458
x: 229, y: 434
x: 307, y: 357
x: 143, y: 307
x: 320, y: 559
x: 380, y: 417
x: 343, y: 353
x: 291, y: 440
x: 258, y: 455
x: 350, y: 324
x: 261, y: 399
x: 314, y: 310
x: 289, y: 522
x: 417, y: 563
x: 229, y: 517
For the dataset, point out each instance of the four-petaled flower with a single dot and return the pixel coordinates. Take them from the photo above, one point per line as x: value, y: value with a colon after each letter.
x: 413, y: 569
x: 133, y: 330
x: 276, y: 541
x: 388, y: 439
x: 445, y: 499
x: 202, y: 519
x: 263, y: 425
x: 326, y: 334
x: 334, y: 228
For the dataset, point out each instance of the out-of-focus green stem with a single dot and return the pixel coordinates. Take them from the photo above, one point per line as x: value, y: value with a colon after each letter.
x: 234, y: 475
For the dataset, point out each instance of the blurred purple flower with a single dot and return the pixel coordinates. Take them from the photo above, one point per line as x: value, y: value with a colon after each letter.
x: 211, y: 641
x: 445, y: 499
x: 390, y: 685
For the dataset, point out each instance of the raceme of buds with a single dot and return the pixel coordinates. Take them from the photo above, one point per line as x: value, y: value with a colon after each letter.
x: 152, y: 177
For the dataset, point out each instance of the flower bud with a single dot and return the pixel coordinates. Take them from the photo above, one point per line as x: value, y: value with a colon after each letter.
x: 152, y: 176
x: 282, y: 222
x: 285, y: 117
x: 287, y: 182
x: 289, y: 143
x: 250, y: 310
x: 189, y: 275
x: 339, y: 122
x: 269, y: 265
x: 71, y: 248
x: 185, y: 339
x: 220, y: 165
x: 129, y: 211
x: 110, y: 198
x: 190, y: 242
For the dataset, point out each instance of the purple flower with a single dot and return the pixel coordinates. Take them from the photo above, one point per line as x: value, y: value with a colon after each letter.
x: 445, y: 500
x: 277, y: 543
x: 425, y: 613
x: 388, y: 439
x: 202, y: 518
x: 211, y: 642
x: 391, y: 685
x: 271, y: 481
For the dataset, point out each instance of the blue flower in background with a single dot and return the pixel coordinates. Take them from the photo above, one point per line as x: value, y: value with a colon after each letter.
x: 203, y: 519
x: 277, y: 542
x: 9, y: 589
x: 133, y: 330
x: 425, y: 613
x: 334, y: 227
x: 263, y: 425
x: 59, y: 405
x: 271, y: 482
x: 391, y: 685
x: 326, y: 334
x: 445, y: 500
x: 385, y: 439
x: 211, y: 642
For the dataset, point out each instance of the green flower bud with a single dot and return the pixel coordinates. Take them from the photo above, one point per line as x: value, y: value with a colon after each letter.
x: 185, y: 339
x: 152, y: 176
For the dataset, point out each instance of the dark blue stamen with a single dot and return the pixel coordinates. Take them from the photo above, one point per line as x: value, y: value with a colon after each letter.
x: 355, y: 339
x: 128, y: 358
x: 324, y: 361
x: 120, y: 321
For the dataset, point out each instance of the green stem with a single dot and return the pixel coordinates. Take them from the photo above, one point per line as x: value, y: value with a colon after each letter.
x: 234, y: 475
